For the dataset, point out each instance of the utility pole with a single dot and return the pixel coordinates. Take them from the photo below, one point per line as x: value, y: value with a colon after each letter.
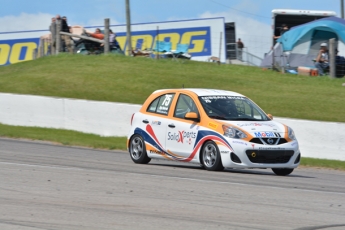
x: 128, y: 21
x: 342, y: 8
x: 106, y: 35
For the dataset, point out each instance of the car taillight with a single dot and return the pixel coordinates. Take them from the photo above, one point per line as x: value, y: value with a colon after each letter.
x: 132, y: 118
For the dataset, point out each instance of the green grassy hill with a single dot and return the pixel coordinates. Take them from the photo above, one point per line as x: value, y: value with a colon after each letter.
x: 132, y: 80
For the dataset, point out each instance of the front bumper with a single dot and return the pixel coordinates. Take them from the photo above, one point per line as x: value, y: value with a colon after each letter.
x: 248, y: 155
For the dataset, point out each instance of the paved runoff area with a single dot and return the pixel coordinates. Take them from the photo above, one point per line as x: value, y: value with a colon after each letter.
x: 47, y: 186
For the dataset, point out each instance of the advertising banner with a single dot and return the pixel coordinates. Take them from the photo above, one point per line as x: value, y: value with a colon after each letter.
x: 205, y: 37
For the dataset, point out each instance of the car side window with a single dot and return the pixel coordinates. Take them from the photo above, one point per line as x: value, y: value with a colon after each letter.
x: 184, y: 105
x: 153, y: 106
x: 161, y: 104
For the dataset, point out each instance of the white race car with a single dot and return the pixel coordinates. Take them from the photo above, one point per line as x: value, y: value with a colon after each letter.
x: 214, y: 128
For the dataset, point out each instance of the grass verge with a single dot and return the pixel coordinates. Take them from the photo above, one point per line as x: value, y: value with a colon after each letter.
x: 73, y: 138
x: 323, y: 163
x: 64, y: 137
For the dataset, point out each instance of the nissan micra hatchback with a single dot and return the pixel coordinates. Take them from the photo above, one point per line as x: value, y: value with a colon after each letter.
x: 213, y: 128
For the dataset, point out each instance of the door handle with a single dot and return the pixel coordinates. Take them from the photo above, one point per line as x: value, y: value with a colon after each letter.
x: 171, y: 125
x: 145, y: 121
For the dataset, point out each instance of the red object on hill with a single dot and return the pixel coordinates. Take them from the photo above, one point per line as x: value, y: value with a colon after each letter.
x: 98, y: 36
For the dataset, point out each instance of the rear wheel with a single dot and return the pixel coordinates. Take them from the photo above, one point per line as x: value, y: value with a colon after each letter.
x: 211, y: 157
x: 282, y: 171
x: 137, y: 150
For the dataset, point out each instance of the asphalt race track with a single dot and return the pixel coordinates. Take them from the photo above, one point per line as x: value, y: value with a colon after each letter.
x: 46, y: 186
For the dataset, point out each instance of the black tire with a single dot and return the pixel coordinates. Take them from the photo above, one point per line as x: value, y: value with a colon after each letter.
x: 137, y: 150
x: 210, y: 157
x: 282, y: 171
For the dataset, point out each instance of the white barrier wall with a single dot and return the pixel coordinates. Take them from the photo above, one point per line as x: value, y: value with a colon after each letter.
x: 317, y: 139
x: 102, y: 118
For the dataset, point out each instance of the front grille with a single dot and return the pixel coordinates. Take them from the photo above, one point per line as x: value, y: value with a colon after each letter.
x: 282, y: 141
x: 256, y: 141
x: 269, y: 156
x: 264, y: 141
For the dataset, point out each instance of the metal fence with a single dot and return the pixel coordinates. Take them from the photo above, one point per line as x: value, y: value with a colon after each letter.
x: 54, y: 43
x: 336, y: 66
x: 241, y: 56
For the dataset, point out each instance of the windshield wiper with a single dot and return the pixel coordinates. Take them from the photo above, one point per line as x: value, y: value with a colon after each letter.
x: 245, y: 119
x: 217, y: 117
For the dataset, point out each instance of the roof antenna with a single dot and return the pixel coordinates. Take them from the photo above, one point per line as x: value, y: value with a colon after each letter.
x: 182, y: 86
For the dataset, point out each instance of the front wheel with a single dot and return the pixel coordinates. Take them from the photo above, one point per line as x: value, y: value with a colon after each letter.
x: 137, y: 150
x: 211, y: 157
x: 282, y: 171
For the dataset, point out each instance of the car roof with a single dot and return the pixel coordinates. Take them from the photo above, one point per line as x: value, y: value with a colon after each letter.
x: 204, y: 92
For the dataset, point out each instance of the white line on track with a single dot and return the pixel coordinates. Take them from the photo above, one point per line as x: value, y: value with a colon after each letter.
x: 252, y: 185
x: 169, y: 177
x: 43, y: 166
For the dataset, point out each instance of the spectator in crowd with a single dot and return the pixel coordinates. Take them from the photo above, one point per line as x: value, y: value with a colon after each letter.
x: 240, y: 47
x: 339, y: 60
x: 57, y: 19
x: 283, y: 30
x: 112, y: 36
x: 340, y: 65
x: 112, y: 40
x: 67, y: 39
x: 321, y: 62
x: 97, y: 34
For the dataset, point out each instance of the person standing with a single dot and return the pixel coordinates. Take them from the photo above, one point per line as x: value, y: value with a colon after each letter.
x: 67, y: 39
x: 112, y: 36
x: 240, y: 47
x: 283, y: 30
x: 53, y: 35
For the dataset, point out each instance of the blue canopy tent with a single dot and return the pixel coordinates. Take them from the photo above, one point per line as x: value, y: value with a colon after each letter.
x: 301, y: 44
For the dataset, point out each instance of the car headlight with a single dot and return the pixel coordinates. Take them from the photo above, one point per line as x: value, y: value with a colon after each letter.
x: 291, y: 134
x: 232, y: 132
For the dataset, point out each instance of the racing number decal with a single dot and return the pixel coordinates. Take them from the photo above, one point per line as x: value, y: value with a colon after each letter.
x: 164, y: 104
x: 167, y: 100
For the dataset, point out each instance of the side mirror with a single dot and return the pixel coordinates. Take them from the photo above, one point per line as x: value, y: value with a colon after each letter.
x: 270, y: 116
x: 192, y: 116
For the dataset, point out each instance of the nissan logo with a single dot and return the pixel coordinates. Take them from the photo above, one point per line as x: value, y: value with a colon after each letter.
x: 270, y: 141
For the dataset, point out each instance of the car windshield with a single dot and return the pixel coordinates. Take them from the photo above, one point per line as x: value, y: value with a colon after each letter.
x: 233, y: 108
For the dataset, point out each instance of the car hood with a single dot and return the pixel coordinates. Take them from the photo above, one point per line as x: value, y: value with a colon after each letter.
x: 259, y: 128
